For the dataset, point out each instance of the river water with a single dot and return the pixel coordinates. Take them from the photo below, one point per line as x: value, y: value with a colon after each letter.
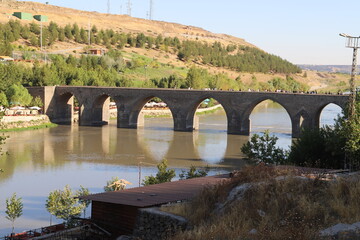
x: 40, y: 161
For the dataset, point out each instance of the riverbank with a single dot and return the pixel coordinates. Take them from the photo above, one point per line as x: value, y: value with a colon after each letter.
x: 22, y: 123
x: 163, y: 113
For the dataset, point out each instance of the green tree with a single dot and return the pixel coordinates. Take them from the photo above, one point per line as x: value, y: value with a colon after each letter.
x: 83, y: 192
x: 163, y: 174
x: 263, y: 149
x: 116, y: 184
x: 14, y: 209
x: 319, y: 148
x: 64, y: 204
x: 68, y: 32
x: 37, y: 102
x: 6, y: 48
x: 3, y: 100
x: 194, y: 173
x: 18, y: 95
x: 197, y: 78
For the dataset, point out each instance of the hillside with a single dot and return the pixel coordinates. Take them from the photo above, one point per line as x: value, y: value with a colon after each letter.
x: 121, y: 23
x: 126, y: 24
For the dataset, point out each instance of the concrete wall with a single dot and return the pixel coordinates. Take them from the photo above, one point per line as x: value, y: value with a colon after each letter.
x: 10, y: 119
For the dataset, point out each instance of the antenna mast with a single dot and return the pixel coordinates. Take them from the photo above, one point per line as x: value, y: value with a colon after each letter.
x: 151, y: 10
x: 108, y: 6
x: 129, y: 7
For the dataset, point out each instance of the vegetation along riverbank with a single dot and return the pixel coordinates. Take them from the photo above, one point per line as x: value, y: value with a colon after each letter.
x: 7, y: 124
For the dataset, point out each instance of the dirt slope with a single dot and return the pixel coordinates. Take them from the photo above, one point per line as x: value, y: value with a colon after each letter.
x: 121, y: 23
x: 127, y: 24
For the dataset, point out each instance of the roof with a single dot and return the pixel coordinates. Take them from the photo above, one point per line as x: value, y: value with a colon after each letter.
x: 158, y: 194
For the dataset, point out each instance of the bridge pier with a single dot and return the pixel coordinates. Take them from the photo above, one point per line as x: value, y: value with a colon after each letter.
x: 181, y: 123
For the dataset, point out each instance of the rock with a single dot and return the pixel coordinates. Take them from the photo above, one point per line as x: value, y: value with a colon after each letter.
x: 123, y: 237
x: 342, y: 231
x: 253, y: 231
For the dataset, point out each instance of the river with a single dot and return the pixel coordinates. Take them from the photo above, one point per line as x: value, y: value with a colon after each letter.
x: 40, y: 161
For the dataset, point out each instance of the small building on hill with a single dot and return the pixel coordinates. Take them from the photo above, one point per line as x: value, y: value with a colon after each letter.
x: 97, y: 51
x: 117, y: 211
x: 23, y: 15
x: 41, y: 18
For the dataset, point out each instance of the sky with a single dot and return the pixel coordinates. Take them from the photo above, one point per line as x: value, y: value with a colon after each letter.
x: 300, y: 31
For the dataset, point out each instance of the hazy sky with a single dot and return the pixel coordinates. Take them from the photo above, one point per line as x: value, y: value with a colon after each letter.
x: 301, y: 31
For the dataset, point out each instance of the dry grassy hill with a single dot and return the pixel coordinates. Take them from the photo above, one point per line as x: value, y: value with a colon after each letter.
x: 127, y: 24
x: 121, y: 23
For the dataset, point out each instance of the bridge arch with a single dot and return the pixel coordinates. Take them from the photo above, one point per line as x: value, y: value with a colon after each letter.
x: 191, y: 119
x: 65, y: 108
x: 101, y: 109
x: 136, y: 116
x: 333, y: 109
x: 245, y: 115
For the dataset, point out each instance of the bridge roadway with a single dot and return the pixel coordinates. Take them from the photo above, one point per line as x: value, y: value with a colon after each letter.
x: 304, y: 109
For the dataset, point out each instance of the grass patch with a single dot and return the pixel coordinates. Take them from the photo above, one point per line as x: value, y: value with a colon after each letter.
x: 158, y: 116
x: 208, y: 111
x: 288, y: 207
x: 45, y: 125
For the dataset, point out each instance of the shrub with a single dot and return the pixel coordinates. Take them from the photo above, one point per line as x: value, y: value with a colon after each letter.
x: 263, y: 149
x: 163, y: 174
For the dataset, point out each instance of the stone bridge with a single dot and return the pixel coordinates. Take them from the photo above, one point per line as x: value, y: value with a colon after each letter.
x: 304, y: 109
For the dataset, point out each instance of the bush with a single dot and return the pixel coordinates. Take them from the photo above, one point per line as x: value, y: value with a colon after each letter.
x: 263, y: 149
x: 194, y: 173
x: 163, y: 175
x: 319, y: 148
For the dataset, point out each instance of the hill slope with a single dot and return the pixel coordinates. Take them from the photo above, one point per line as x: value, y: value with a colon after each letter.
x: 121, y: 23
x: 126, y: 24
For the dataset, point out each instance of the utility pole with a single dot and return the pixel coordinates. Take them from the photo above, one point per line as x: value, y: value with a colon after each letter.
x: 41, y: 38
x: 352, y: 42
x: 129, y: 8
x: 151, y: 10
x: 89, y: 30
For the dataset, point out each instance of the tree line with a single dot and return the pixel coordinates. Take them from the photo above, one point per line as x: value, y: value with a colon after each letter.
x: 108, y: 70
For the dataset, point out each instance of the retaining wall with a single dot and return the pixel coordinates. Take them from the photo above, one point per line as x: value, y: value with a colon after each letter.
x: 153, y: 224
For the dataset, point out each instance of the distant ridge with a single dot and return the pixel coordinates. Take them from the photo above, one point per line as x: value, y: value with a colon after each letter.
x: 328, y: 68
